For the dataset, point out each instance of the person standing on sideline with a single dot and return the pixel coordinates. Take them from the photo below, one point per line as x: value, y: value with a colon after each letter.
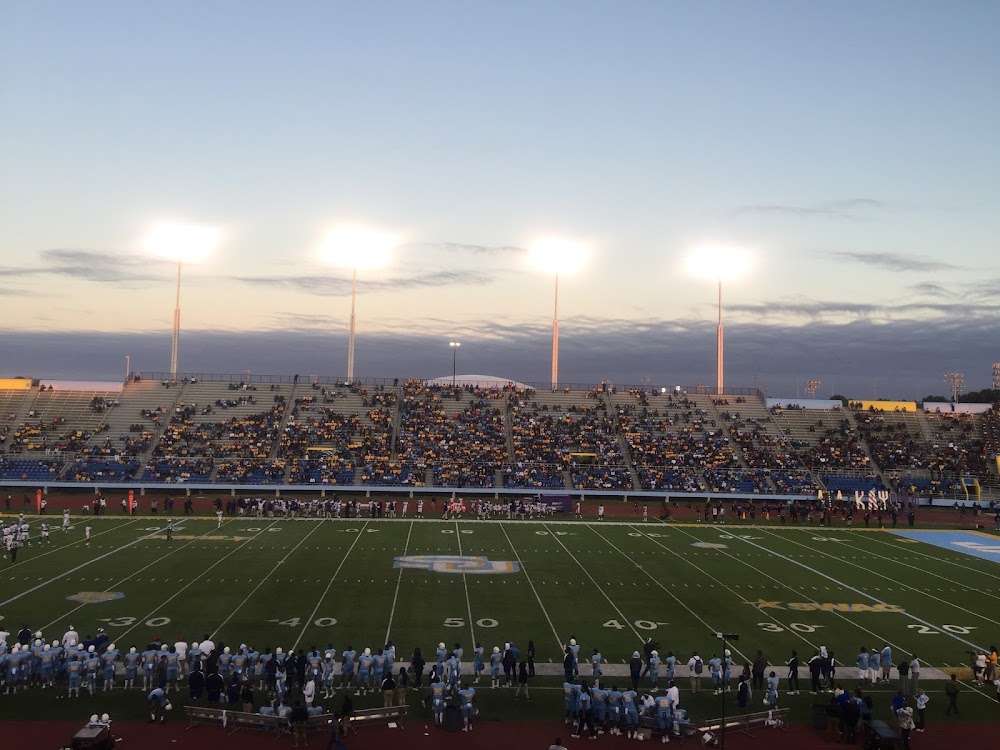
x: 758, y: 670
x: 914, y: 674
x: 793, y: 673
x: 388, y: 689
x: 522, y: 682
x: 922, y: 700
x: 530, y: 654
x: 695, y: 668
x: 951, y: 689
x: 904, y: 675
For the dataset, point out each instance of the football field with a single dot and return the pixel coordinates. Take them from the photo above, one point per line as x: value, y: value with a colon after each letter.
x: 610, y: 585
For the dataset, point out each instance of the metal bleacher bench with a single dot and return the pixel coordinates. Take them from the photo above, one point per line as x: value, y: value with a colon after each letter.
x: 236, y: 720
x: 683, y: 728
x: 745, y: 722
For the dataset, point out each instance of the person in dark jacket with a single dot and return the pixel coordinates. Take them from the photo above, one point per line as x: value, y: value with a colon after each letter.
x: 417, y: 662
x: 530, y: 654
x: 233, y: 690
x: 743, y: 693
x: 246, y: 695
x: 196, y: 684
x: 522, y: 682
x: 215, y: 686
x: 758, y: 670
x: 568, y: 663
x: 509, y: 664
x: 635, y: 669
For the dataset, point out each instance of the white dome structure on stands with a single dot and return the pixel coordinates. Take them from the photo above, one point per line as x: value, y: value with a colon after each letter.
x: 479, y: 381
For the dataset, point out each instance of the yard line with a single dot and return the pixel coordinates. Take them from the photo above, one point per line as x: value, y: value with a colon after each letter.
x: 127, y: 578
x: 465, y: 582
x: 799, y: 592
x: 925, y: 592
x: 533, y: 589
x: 74, y: 570
x: 62, y: 547
x: 703, y: 572
x: 193, y: 581
x: 392, y: 612
x: 262, y: 580
x: 596, y: 585
x: 852, y: 588
x: 910, y: 551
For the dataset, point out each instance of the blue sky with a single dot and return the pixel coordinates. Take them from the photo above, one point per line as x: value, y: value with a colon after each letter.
x: 851, y: 147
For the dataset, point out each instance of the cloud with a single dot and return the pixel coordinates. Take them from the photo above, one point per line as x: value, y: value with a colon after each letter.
x: 340, y: 286
x: 305, y: 320
x: 919, y: 311
x: 904, y: 359
x: 894, y: 261
x: 930, y: 289
x: 88, y: 265
x: 848, y: 208
x: 459, y: 247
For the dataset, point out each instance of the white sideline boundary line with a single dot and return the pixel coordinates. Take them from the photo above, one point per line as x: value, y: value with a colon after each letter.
x: 524, y: 570
x: 858, y: 591
x: 395, y: 596
x: 465, y: 582
x: 264, y: 580
x: 910, y: 551
x: 132, y: 575
x: 62, y: 547
x: 191, y: 583
x: 596, y: 585
x: 901, y: 584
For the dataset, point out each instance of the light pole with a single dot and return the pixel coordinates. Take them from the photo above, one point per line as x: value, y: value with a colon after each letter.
x: 356, y: 248
x: 180, y: 242
x: 719, y: 264
x: 454, y: 360
x: 557, y: 256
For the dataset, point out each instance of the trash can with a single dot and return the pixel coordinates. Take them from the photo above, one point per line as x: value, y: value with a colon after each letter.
x: 453, y: 718
x: 819, y: 716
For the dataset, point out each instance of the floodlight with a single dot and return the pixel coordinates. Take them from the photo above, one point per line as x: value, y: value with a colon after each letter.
x: 358, y: 248
x: 187, y: 243
x: 557, y: 254
x: 718, y: 262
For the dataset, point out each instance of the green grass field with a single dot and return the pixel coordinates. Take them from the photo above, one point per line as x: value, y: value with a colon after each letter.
x: 298, y: 583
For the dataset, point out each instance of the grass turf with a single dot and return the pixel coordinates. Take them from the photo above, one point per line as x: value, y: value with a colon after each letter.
x: 296, y: 584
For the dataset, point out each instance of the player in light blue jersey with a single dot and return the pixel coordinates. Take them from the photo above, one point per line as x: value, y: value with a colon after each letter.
x: 671, y: 662
x: 585, y: 716
x: 715, y: 668
x: 862, y: 663
x: 329, y: 664
x: 495, y: 658
x: 595, y: 664
x: 453, y: 668
x: 347, y: 667
x: 364, y: 672
x: 110, y: 661
x: 47, y: 668
x: 654, y: 667
x: 615, y: 717
x: 226, y: 663
x: 468, y: 696
x: 314, y: 666
x: 599, y: 705
x: 239, y: 664
x: 173, y: 668
x: 74, y: 674
x: 477, y: 662
x: 574, y: 648
x: 886, y: 659
x: 378, y: 668
x: 569, y: 701
x: 442, y: 656
x: 772, y: 691
x: 458, y: 651
x: 12, y: 669
x: 631, y: 709
x: 664, y: 714
x: 437, y: 701
x: 149, y: 658
x: 727, y: 669
x: 90, y: 666
x: 262, y: 669
x: 874, y: 666
x: 158, y: 701
x: 389, y: 651
x: 132, y: 660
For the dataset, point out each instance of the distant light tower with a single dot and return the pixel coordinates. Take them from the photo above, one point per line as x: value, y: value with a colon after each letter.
x: 812, y: 386
x: 956, y: 380
x: 557, y: 255
x: 354, y: 248
x: 719, y: 264
x: 180, y: 242
x: 454, y: 360
x: 996, y: 376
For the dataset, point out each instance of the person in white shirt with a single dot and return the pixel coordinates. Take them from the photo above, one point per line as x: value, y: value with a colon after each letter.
x: 181, y: 648
x: 674, y: 696
x: 70, y: 637
x: 207, y: 646
x: 695, y: 667
x: 309, y: 692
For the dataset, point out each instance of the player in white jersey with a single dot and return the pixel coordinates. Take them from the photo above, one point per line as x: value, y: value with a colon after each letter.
x: 65, y: 525
x: 45, y: 533
x: 420, y: 508
x: 406, y: 504
x: 86, y: 533
x: 24, y: 534
x: 218, y: 516
x: 600, y: 512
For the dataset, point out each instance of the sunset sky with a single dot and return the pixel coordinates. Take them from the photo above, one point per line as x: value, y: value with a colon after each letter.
x: 851, y: 148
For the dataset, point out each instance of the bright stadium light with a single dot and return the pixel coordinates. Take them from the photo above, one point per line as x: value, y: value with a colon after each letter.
x: 719, y: 263
x: 557, y: 256
x: 184, y: 243
x: 354, y: 248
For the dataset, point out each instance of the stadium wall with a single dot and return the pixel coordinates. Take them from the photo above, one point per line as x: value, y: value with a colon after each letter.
x: 803, y: 403
x: 935, y: 407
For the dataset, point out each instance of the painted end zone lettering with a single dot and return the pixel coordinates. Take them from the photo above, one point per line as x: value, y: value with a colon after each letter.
x: 826, y: 606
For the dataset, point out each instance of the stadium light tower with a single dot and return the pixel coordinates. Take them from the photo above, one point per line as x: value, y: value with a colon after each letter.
x: 357, y: 248
x: 454, y: 360
x: 719, y: 263
x: 557, y: 256
x: 956, y: 380
x: 812, y: 386
x: 996, y: 376
x: 188, y: 243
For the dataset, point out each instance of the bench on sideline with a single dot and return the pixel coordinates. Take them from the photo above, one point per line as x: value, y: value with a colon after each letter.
x: 237, y: 720
x: 743, y: 723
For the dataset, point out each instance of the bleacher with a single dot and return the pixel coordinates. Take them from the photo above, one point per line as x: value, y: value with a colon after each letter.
x: 416, y: 435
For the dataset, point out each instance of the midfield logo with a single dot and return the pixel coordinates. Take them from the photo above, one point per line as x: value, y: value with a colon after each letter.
x: 825, y: 606
x: 96, y: 597
x: 456, y: 564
